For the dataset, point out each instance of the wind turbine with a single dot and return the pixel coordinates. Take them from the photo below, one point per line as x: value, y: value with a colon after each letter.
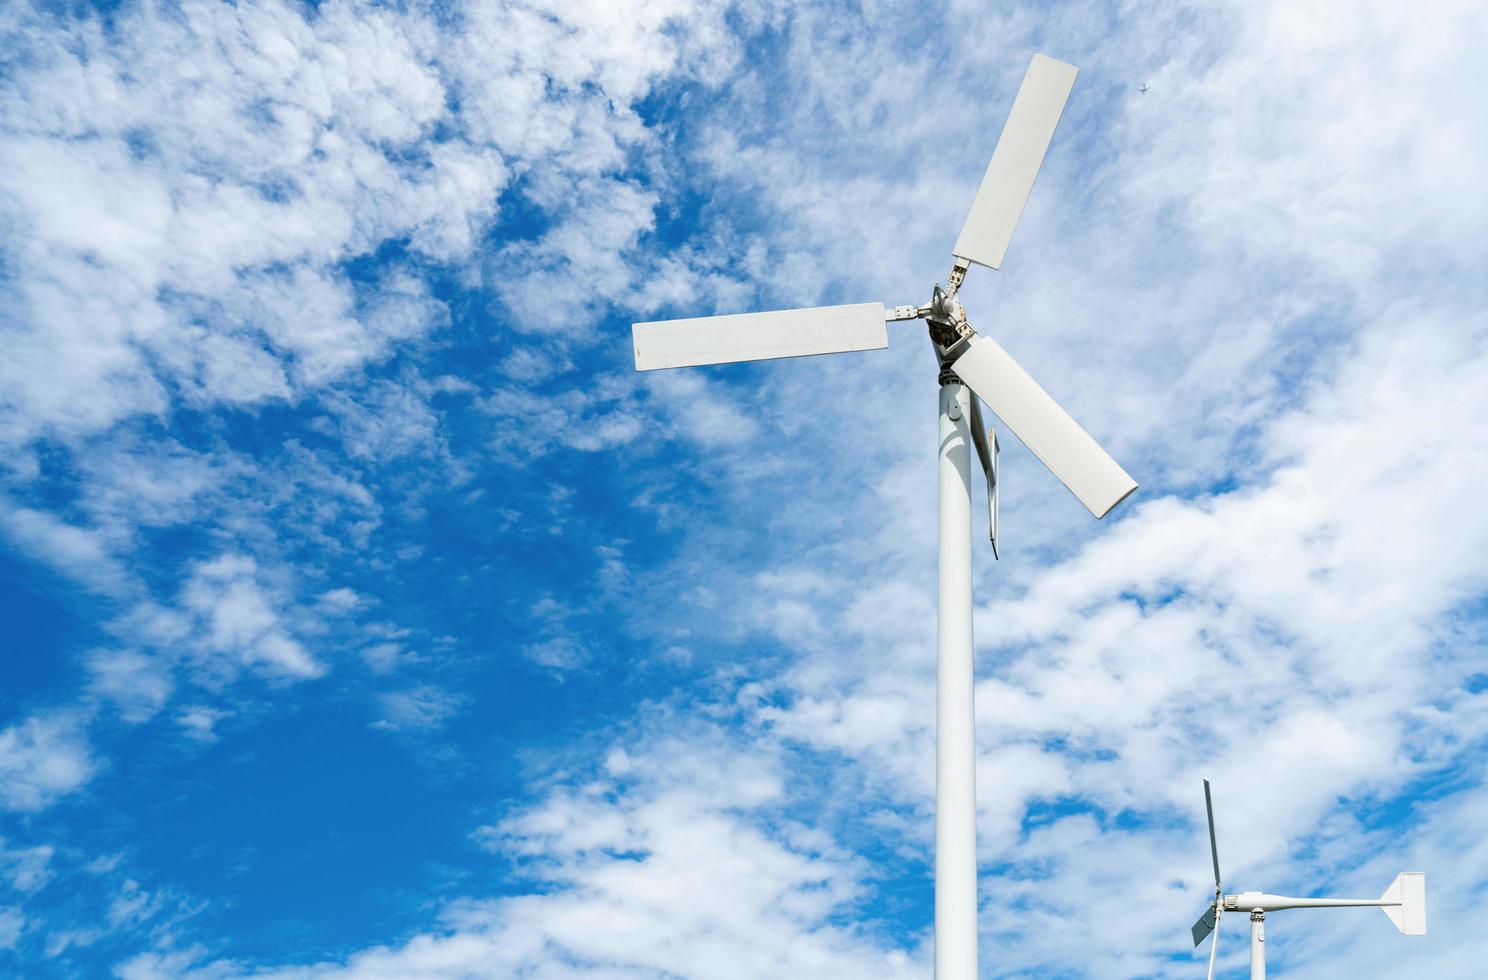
x: 966, y: 359
x: 1404, y: 902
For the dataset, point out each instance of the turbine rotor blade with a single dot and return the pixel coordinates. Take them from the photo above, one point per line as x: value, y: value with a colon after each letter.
x: 1056, y: 439
x: 1205, y: 925
x: 1015, y: 163
x: 759, y: 336
x: 1213, y: 845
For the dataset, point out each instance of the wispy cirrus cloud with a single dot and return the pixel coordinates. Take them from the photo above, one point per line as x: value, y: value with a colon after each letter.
x: 420, y: 707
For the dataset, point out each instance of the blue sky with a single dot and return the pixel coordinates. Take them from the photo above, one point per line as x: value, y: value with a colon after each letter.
x: 367, y: 615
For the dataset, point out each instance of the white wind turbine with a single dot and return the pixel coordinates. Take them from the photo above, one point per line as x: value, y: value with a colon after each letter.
x: 1404, y: 902
x: 967, y: 359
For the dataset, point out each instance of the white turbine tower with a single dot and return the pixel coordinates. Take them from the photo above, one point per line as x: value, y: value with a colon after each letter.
x: 1404, y: 902
x: 967, y: 359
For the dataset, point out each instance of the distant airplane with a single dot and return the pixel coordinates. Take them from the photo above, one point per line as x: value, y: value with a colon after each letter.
x: 1143, y: 89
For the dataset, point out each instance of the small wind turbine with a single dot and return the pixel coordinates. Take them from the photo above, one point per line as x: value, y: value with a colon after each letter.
x: 1404, y: 902
x: 966, y: 358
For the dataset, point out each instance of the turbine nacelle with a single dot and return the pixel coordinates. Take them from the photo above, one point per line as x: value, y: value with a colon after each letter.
x: 1406, y: 895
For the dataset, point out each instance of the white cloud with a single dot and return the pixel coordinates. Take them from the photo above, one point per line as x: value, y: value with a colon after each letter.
x: 1313, y: 81
x: 386, y: 422
x: 599, y: 415
x: 177, y: 220
x: 287, y: 121
x: 12, y: 922
x: 240, y: 619
x: 187, y: 188
x: 43, y: 757
x: 137, y: 684
x: 199, y: 722
x: 231, y: 619
x: 580, y: 264
x: 81, y: 553
x: 680, y: 865
x: 131, y: 905
x: 26, y: 868
x: 421, y: 706
x: 384, y: 658
x: 561, y: 652
x: 132, y: 482
x: 340, y: 601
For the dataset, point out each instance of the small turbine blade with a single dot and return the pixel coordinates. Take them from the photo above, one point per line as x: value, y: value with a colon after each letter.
x: 759, y: 336
x: 1204, y: 926
x: 1015, y: 162
x: 1213, y: 845
x: 1056, y: 439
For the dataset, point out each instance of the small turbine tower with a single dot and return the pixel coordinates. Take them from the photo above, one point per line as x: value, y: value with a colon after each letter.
x: 1404, y: 902
x: 966, y: 359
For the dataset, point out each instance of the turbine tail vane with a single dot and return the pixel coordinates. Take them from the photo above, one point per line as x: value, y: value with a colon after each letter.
x: 1409, y: 890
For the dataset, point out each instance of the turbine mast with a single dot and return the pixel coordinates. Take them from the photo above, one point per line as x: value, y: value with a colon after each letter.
x: 955, y: 722
x: 973, y: 369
